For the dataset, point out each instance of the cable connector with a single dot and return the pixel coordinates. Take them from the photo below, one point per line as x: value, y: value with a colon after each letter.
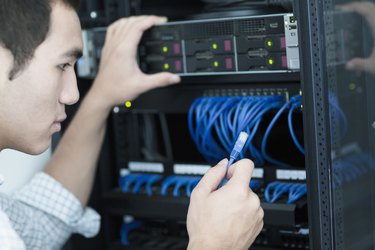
x: 238, y: 146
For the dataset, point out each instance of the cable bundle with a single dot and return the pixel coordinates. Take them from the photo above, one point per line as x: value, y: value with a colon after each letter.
x: 295, y: 191
x: 216, y: 122
x: 137, y: 181
x: 179, y: 182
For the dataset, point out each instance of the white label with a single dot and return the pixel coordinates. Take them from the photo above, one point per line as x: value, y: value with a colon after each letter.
x: 258, y: 173
x: 190, y: 169
x: 152, y: 167
x: 290, y: 174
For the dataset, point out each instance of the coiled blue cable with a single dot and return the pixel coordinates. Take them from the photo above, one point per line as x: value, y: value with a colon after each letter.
x: 269, y: 129
x: 215, y: 122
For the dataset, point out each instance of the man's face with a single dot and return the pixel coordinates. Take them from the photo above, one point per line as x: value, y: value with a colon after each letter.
x: 32, y: 106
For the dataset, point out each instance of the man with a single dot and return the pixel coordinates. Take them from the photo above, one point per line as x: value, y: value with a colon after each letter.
x: 40, y: 41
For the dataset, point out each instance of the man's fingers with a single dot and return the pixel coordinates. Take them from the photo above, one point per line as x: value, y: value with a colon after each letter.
x: 241, y: 172
x: 160, y: 80
x: 211, y: 180
x: 132, y: 27
x: 138, y: 25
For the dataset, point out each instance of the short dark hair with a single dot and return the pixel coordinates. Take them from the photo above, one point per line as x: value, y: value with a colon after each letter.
x: 24, y: 25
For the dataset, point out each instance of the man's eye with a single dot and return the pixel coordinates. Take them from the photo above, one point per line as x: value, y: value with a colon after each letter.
x: 64, y: 66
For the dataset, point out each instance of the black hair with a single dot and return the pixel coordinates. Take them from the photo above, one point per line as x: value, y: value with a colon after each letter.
x: 24, y: 25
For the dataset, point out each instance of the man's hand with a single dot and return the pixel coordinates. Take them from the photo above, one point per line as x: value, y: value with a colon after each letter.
x: 119, y: 78
x: 225, y: 218
x: 367, y: 10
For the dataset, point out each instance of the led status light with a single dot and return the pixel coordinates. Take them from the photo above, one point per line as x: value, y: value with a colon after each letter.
x: 216, y: 64
x: 165, y: 49
x: 270, y: 61
x: 128, y: 104
x: 214, y: 46
x: 269, y: 43
x: 166, y: 66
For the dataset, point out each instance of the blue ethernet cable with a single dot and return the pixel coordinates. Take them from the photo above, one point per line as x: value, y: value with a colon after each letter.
x: 280, y: 190
x: 142, y: 179
x: 151, y: 181
x: 238, y: 146
x: 218, y: 106
x: 231, y: 114
x: 235, y: 116
x: 126, y: 228
x: 258, y: 158
x: 267, y: 133
x: 265, y: 104
x: 224, y: 126
x: 268, y: 189
x: 180, y: 181
x: 209, y: 143
x: 248, y: 119
x: 127, y: 181
x: 220, y: 128
x: 191, y: 118
x: 212, y: 114
x: 291, y: 130
x: 255, y: 184
x: 296, y: 192
x: 166, y: 183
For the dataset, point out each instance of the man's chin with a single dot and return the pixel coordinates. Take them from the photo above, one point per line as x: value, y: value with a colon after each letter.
x: 35, y: 149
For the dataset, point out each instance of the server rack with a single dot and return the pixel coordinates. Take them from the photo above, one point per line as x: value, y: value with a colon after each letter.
x: 326, y: 218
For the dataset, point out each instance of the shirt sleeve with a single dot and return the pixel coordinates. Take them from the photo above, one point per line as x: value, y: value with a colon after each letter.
x: 44, y: 214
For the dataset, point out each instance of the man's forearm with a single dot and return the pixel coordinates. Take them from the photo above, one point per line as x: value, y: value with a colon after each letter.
x: 74, y: 162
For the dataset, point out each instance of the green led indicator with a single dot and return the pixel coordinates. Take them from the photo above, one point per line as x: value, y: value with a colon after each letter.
x: 216, y: 64
x: 166, y: 66
x: 214, y: 46
x: 128, y: 104
x: 165, y: 49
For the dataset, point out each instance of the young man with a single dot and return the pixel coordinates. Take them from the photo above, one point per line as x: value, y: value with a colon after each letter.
x: 40, y: 41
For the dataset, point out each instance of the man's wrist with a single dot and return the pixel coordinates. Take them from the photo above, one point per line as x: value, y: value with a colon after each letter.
x: 97, y: 98
x: 205, y: 243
